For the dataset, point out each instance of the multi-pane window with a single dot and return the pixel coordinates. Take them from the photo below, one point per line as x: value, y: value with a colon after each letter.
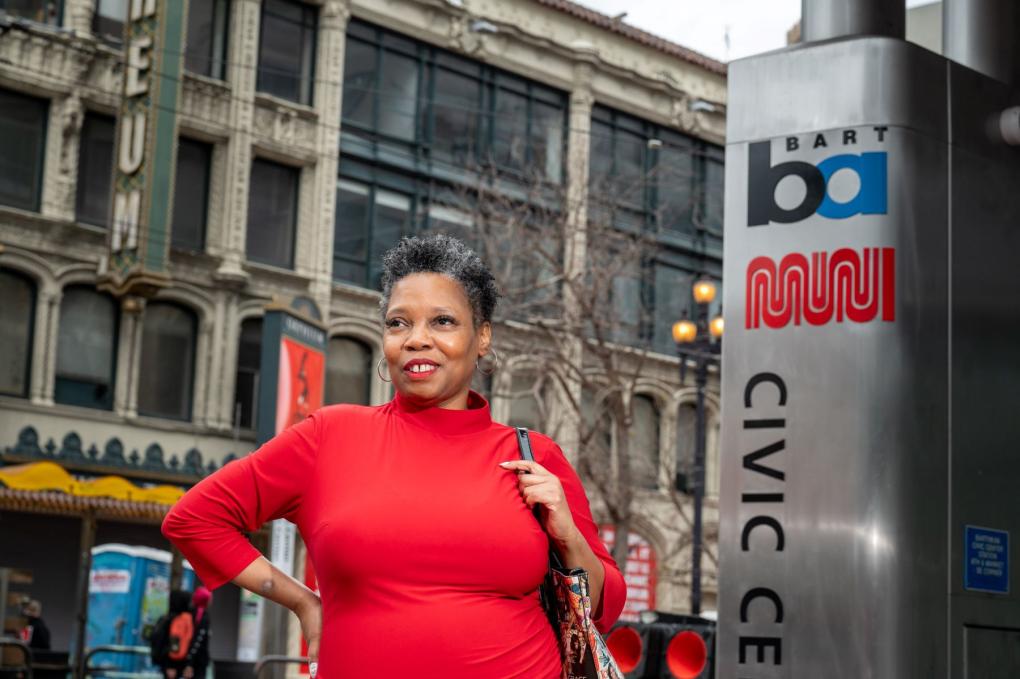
x: 459, y: 112
x: 651, y: 176
x: 598, y: 427
x: 644, y: 442
x: 206, y: 49
x: 40, y: 11
x: 348, y: 371
x: 86, y: 349
x: 672, y: 285
x: 108, y: 21
x: 272, y: 213
x: 287, y: 50
x: 22, y: 148
x: 169, y: 338
x: 249, y: 361
x: 525, y: 408
x: 644, y: 178
x: 369, y: 221
x: 191, y: 195
x: 95, y: 169
x: 17, y: 315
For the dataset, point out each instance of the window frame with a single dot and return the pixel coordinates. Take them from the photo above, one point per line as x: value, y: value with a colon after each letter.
x: 209, y: 150
x: 117, y: 42
x: 220, y: 32
x: 490, y: 79
x: 295, y: 213
x: 106, y: 404
x: 40, y: 176
x: 314, y: 50
x: 373, y: 270
x: 58, y: 21
x: 80, y: 186
x: 190, y: 387
x: 234, y: 419
x: 33, y: 300
x: 656, y: 459
x: 370, y: 375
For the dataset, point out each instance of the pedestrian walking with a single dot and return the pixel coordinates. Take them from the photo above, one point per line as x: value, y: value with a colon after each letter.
x: 35, y: 632
x: 417, y: 514
x: 179, y: 643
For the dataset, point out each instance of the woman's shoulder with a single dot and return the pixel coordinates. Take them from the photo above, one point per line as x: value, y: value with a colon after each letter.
x: 345, y: 416
x: 543, y: 447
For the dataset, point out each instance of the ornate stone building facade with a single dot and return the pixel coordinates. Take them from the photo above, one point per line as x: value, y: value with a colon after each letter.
x: 312, y: 136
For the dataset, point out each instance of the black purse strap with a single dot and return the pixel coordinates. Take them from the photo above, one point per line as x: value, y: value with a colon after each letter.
x: 524, y: 445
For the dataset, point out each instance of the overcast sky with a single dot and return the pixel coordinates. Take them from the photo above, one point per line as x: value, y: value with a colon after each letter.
x: 754, y: 26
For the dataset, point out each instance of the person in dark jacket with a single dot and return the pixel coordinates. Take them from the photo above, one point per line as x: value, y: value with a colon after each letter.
x: 168, y: 639
x: 198, y: 655
x: 36, y: 634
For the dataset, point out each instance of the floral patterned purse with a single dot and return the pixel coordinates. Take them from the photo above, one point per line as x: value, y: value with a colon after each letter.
x: 568, y: 605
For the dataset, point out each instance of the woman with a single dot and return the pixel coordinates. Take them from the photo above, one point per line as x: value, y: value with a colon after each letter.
x: 417, y: 514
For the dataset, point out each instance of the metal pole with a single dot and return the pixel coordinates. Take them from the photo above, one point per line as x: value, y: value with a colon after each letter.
x: 699, y: 485
x: 980, y: 34
x: 88, y: 539
x: 827, y: 19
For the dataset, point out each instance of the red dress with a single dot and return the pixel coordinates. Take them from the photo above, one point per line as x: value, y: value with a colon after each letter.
x: 427, y: 558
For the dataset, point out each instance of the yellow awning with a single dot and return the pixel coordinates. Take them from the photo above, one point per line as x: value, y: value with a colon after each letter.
x: 51, y: 476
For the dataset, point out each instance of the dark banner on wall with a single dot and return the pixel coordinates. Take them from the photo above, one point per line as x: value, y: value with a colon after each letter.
x: 146, y: 147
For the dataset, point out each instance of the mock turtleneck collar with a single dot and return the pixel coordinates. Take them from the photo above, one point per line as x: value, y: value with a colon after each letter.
x: 445, y: 421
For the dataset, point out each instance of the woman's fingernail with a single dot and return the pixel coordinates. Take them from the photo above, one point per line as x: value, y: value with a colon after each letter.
x: 504, y: 464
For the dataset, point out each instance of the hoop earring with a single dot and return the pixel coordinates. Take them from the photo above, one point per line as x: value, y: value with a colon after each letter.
x: 378, y: 369
x: 493, y: 363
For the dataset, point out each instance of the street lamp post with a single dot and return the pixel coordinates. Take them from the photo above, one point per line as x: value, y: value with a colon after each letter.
x: 699, y: 341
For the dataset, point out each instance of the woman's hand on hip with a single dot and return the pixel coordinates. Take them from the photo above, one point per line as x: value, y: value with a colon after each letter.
x: 309, y: 613
x: 538, y: 486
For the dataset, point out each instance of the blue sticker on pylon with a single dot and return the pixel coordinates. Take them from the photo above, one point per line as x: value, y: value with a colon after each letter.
x: 986, y: 568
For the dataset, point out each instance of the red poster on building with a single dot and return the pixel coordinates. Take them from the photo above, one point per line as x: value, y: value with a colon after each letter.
x: 640, y: 573
x: 300, y: 385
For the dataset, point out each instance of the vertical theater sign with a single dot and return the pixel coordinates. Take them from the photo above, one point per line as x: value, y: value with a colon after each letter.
x: 145, y: 148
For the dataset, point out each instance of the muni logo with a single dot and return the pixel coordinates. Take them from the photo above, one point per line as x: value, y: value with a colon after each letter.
x: 764, y: 177
x: 821, y: 288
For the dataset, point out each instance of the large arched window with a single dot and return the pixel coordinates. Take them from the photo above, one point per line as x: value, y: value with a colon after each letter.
x: 17, y: 313
x: 597, y: 431
x: 686, y: 434
x: 167, y: 369
x: 525, y: 408
x: 86, y: 348
x: 348, y: 371
x: 644, y: 442
x: 246, y: 389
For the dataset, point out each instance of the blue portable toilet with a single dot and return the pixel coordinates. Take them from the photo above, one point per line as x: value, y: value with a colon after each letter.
x: 129, y: 589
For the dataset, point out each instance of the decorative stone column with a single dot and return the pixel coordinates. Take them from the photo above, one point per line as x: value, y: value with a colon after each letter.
x: 576, y: 230
x: 204, y: 360
x: 129, y: 346
x: 333, y: 21
x: 44, y: 346
x: 78, y: 15
x: 62, y: 143
x: 242, y: 71
x: 223, y: 361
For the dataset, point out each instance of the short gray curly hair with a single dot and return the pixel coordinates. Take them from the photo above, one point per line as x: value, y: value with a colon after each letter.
x: 439, y: 253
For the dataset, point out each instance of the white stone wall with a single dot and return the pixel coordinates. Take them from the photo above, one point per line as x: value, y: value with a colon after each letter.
x: 77, y: 74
